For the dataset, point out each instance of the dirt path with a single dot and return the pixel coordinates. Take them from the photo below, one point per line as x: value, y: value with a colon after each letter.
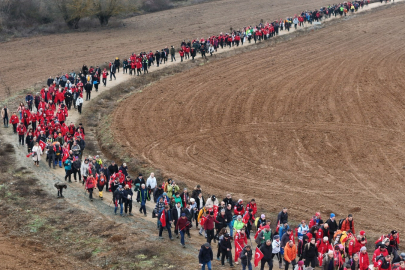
x: 29, y: 61
x: 76, y: 195
x: 319, y: 117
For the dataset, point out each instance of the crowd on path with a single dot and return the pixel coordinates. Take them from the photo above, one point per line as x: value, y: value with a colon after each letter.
x: 41, y: 125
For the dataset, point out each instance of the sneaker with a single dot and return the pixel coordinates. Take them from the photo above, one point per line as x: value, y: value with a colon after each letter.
x: 189, y: 236
x: 145, y: 214
x: 236, y: 263
x: 160, y: 237
x: 177, y: 236
x: 200, y: 233
x: 184, y: 246
x: 218, y: 259
x: 130, y: 214
x: 171, y: 239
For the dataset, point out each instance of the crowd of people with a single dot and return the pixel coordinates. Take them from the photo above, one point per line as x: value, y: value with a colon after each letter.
x: 41, y: 125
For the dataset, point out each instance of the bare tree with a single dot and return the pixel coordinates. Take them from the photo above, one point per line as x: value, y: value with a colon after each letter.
x: 105, y: 9
x: 74, y: 10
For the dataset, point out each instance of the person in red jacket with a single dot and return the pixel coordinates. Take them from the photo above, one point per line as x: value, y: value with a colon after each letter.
x: 14, y: 121
x: 61, y: 117
x: 90, y: 184
x: 133, y: 67
x: 322, y: 232
x: 239, y: 208
x: 348, y: 224
x: 252, y: 205
x: 138, y: 64
x: 181, y: 52
x: 382, y: 250
x: 209, y: 226
x: 352, y: 245
x: 240, y: 243
x: 364, y: 262
x: 21, y: 130
x: 324, y: 246
x: 384, y: 263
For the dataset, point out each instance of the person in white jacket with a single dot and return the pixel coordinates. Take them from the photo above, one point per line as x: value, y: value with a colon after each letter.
x: 85, y: 170
x: 276, y: 249
x: 79, y: 103
x: 152, y: 184
x: 36, y: 154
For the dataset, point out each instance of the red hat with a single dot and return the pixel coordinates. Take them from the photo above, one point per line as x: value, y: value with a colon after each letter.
x: 317, y: 214
x: 362, y: 233
x: 267, y: 227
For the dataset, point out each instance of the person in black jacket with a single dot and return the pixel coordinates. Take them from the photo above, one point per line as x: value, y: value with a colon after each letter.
x: 117, y: 64
x: 228, y: 200
x: 128, y: 194
x: 205, y: 256
x: 283, y: 216
x: 267, y: 251
x: 333, y: 227
x: 246, y: 257
x: 301, y: 245
x: 222, y: 219
x: 124, y: 169
x: 157, y: 56
x: 113, y: 69
x: 113, y: 168
x: 60, y: 187
x: 28, y: 141
x: 118, y: 196
x: 226, y: 250
x: 88, y: 87
x: 310, y: 253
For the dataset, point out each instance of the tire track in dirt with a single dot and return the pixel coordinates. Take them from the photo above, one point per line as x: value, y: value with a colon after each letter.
x: 288, y: 122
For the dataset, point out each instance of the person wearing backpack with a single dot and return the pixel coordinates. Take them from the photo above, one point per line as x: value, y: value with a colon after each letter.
x: 246, y: 257
x: 333, y: 226
x: 380, y: 252
x: 263, y: 236
x: 347, y: 224
x: 310, y: 253
x: 302, y: 230
x: 384, y: 262
x: 101, y: 181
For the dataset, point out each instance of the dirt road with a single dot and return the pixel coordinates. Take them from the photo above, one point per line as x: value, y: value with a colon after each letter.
x: 319, y: 118
x: 32, y: 60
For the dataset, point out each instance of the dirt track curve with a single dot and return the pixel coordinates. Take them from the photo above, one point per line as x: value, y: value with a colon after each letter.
x: 32, y: 60
x: 313, y: 124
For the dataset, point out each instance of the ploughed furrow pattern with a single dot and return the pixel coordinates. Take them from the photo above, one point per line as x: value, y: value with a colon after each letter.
x: 27, y: 61
x: 316, y: 123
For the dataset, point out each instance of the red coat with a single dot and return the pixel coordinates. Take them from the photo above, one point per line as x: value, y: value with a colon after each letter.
x: 324, y: 247
x: 354, y: 247
x: 241, y: 239
x: 21, y: 130
x: 346, y: 226
x: 14, y: 119
x: 61, y: 116
x: 253, y: 207
x: 364, y: 262
x: 91, y: 182
x: 239, y: 209
x: 377, y: 253
x: 138, y: 65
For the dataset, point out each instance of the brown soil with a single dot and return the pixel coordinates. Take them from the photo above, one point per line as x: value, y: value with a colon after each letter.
x: 313, y: 124
x: 32, y: 60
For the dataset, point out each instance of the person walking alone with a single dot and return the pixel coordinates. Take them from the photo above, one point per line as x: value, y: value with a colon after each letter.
x: 79, y: 104
x: 5, y: 113
x: 172, y: 53
x: 112, y: 71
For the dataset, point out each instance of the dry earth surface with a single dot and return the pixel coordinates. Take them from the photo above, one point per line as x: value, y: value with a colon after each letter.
x: 313, y: 124
x: 32, y: 60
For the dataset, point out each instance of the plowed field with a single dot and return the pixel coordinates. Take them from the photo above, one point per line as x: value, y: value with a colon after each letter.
x: 316, y: 123
x: 32, y: 60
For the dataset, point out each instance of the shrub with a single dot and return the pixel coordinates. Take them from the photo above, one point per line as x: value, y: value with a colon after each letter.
x: 155, y: 5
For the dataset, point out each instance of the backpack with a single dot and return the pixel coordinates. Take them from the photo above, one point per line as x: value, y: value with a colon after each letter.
x: 341, y: 223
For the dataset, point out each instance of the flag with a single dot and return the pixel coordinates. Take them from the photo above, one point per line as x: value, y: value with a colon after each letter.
x: 165, y: 200
x: 30, y: 154
x: 163, y: 218
x: 202, y: 221
x: 258, y: 231
x: 258, y: 256
x: 320, y: 259
x: 245, y: 218
x: 278, y: 226
x: 238, y: 248
x: 42, y: 145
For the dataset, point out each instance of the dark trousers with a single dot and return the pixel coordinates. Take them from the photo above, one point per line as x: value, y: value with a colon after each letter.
x: 88, y: 93
x: 228, y: 254
x: 173, y: 57
x: 105, y: 81
x: 169, y: 230
x: 34, y: 125
x: 143, y: 207
x: 51, y: 159
x: 68, y: 174
x: 278, y: 257
x: 210, y: 235
x: 111, y: 75
x: 90, y: 190
x: 15, y: 128
x: 312, y: 261
x: 263, y: 263
x: 287, y: 264
x: 60, y: 192
x: 21, y: 139
x: 128, y: 206
x: 77, y: 172
x: 5, y: 121
x: 79, y: 108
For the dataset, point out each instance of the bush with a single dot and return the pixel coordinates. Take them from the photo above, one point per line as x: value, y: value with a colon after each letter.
x: 155, y: 5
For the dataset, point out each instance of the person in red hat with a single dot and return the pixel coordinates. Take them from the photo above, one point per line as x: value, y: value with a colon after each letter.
x: 315, y: 220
